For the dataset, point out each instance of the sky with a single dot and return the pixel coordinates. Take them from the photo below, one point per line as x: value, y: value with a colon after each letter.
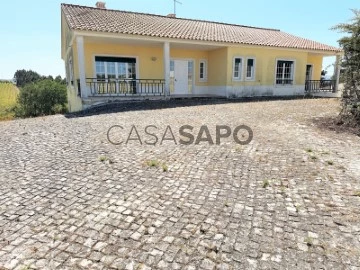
x: 30, y: 29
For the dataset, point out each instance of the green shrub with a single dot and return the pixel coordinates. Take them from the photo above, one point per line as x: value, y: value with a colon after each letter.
x: 41, y: 98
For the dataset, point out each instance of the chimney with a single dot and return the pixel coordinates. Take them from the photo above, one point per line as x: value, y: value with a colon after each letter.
x: 100, y: 5
x: 171, y: 15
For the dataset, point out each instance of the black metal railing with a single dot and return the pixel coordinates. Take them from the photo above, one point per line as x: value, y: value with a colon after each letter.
x: 126, y: 87
x: 320, y: 86
x: 284, y: 82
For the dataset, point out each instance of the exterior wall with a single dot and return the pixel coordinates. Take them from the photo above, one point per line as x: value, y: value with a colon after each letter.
x: 147, y: 68
x: 265, y: 68
x: 219, y: 68
x: 196, y: 56
x: 74, y: 101
x: 316, y: 61
x: 66, y: 36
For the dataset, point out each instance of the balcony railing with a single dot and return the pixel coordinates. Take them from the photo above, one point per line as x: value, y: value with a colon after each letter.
x: 126, y: 87
x: 320, y: 86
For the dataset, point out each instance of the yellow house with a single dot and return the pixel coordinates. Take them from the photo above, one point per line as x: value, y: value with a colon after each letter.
x: 116, y: 55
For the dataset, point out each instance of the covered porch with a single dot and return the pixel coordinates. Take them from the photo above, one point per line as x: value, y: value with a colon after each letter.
x: 126, y: 67
x: 323, y: 86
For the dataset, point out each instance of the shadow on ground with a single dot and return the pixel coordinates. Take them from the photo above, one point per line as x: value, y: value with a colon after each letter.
x: 143, y: 105
x: 335, y: 124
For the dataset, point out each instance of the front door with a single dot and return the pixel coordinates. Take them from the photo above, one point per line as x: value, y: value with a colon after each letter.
x: 181, y: 77
x: 308, y: 72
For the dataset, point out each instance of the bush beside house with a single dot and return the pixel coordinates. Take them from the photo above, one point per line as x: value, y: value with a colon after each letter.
x: 43, y: 97
x: 33, y: 95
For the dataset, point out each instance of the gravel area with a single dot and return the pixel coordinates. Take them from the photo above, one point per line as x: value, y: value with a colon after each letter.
x: 290, y: 199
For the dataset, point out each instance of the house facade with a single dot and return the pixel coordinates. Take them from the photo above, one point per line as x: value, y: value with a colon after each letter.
x: 117, y: 55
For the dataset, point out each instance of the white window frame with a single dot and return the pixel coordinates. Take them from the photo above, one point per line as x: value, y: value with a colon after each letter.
x: 293, y: 73
x: 241, y: 69
x: 252, y: 78
x: 204, y: 62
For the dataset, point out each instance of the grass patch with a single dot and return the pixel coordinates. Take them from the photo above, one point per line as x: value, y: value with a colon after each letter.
x: 357, y: 193
x: 103, y: 158
x: 330, y: 162
x: 309, y: 150
x: 309, y: 241
x: 153, y: 163
x: 313, y: 158
x: 164, y: 167
x: 8, y: 96
x: 266, y: 183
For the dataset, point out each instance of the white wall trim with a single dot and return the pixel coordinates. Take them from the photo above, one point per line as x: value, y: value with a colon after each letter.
x: 250, y: 91
x: 166, y: 49
x: 81, y: 64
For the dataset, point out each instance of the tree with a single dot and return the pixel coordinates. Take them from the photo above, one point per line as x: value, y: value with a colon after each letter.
x: 23, y: 77
x: 60, y: 80
x: 41, y: 98
x: 350, y: 43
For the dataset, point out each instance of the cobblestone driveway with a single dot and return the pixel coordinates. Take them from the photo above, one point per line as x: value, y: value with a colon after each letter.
x: 71, y: 200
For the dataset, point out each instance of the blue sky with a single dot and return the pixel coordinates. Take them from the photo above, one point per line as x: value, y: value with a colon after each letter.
x: 30, y: 29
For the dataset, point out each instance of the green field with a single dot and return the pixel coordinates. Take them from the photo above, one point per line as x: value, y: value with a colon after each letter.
x: 8, y: 95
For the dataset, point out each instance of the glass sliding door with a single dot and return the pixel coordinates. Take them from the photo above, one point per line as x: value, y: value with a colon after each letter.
x: 115, y: 75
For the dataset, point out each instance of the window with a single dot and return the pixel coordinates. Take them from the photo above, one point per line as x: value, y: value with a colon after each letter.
x: 237, y: 69
x: 115, y: 68
x: 100, y: 70
x: 114, y: 74
x: 284, y: 72
x: 203, y: 71
x: 250, y: 69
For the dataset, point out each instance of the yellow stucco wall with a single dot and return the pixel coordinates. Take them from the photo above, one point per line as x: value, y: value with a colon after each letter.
x: 220, y: 62
x: 265, y: 64
x: 217, y: 67
x: 316, y: 60
x: 147, y: 67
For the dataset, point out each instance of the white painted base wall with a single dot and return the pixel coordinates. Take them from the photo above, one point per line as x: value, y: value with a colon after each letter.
x: 328, y: 94
x: 250, y: 91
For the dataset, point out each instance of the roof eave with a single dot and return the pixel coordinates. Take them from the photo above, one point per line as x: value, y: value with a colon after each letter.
x: 197, y: 42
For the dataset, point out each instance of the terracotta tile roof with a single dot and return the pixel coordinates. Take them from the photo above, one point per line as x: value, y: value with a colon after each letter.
x: 124, y: 22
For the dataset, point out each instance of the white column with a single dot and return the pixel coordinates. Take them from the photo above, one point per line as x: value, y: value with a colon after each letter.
x: 337, y: 72
x: 167, y: 68
x: 81, y: 65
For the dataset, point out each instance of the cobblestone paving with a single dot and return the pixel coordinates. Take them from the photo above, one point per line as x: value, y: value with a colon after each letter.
x: 71, y: 200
